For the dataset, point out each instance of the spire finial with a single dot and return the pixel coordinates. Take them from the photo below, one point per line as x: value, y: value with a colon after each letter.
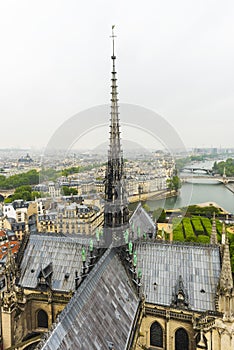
x: 113, y: 36
x: 213, y: 237
x: 226, y: 281
x: 223, y: 239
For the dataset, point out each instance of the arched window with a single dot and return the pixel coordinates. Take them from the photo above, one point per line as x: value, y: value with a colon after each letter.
x: 181, y: 339
x: 42, y: 319
x: 156, y: 335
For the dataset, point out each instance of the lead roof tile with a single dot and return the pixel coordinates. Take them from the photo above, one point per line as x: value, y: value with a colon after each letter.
x: 63, y: 252
x: 163, y: 263
x: 97, y: 314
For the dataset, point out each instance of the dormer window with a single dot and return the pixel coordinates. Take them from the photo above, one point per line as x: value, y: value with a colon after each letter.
x: 180, y: 295
x: 44, y: 277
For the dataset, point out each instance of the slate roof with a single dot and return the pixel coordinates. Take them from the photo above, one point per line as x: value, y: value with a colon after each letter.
x: 104, y: 308
x: 162, y: 265
x: 63, y: 252
x: 141, y: 219
x: 101, y: 312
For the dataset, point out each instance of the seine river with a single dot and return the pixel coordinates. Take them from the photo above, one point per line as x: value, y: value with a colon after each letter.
x: 195, y: 193
x: 198, y: 193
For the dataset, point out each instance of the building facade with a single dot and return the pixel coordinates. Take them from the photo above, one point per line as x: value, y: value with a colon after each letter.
x: 71, y: 218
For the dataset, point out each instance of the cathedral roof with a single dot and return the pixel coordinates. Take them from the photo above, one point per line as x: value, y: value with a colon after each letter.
x: 140, y: 220
x: 102, y: 312
x: 162, y: 265
x: 63, y: 252
x: 104, y: 309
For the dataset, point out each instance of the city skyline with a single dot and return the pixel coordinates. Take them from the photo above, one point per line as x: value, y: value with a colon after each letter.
x: 174, y: 59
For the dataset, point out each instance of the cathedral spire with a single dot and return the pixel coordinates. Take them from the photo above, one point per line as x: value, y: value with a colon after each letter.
x: 115, y: 147
x: 116, y: 205
x: 213, y: 237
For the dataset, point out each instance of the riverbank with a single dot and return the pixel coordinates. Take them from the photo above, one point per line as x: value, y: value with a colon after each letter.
x: 193, y: 194
x: 213, y: 204
x: 164, y: 195
x: 152, y: 196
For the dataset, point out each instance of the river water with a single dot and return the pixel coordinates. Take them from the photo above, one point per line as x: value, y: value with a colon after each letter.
x: 199, y: 191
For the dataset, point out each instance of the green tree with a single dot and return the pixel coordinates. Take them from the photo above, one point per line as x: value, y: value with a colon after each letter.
x: 174, y: 183
x: 146, y: 207
x: 228, y: 165
x: 31, y: 177
x: 35, y: 194
x: 67, y: 191
x: 23, y: 192
x: 23, y: 188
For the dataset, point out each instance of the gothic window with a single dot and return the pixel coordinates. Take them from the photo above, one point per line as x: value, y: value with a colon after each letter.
x: 109, y: 218
x: 119, y: 217
x: 181, y: 339
x: 115, y: 218
x: 42, y: 319
x: 156, y: 335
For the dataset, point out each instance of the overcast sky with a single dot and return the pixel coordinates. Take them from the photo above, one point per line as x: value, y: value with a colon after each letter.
x: 173, y: 57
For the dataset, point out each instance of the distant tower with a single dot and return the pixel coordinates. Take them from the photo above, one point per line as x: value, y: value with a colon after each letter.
x: 116, y: 215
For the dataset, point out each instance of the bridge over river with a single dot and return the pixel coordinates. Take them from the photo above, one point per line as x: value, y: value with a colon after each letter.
x: 5, y: 193
x: 196, y: 170
x: 221, y: 179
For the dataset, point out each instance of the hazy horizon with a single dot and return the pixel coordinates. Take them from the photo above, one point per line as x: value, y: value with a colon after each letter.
x: 174, y: 58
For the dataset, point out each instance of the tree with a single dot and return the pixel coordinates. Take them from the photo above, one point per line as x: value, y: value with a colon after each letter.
x: 146, y: 207
x: 31, y: 177
x: 174, y: 183
x: 23, y: 189
x: 67, y: 191
x: 228, y: 165
x: 23, y: 192
x: 35, y: 194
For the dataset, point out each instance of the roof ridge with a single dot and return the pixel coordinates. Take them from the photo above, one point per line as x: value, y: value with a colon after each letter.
x: 58, y: 237
x: 141, y: 241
